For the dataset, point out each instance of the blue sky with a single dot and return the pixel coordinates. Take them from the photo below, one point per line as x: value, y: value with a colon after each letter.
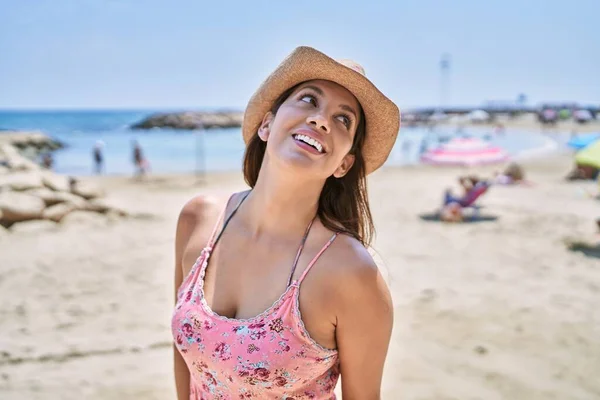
x: 213, y: 54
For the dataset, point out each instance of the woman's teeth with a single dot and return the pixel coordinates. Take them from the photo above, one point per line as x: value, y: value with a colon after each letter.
x: 310, y: 141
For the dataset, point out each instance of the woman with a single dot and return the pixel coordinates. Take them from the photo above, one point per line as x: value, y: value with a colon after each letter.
x: 291, y: 296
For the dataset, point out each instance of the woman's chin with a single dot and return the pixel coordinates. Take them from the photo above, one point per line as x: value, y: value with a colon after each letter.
x: 302, y: 164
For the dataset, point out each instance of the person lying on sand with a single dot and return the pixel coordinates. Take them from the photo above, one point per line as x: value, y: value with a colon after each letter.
x: 513, y: 174
x: 582, y: 172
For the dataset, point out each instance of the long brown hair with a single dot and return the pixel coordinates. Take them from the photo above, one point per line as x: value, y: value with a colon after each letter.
x: 343, y: 204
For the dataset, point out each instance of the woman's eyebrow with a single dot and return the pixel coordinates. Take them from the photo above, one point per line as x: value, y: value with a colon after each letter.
x: 319, y: 91
x: 314, y: 88
x: 349, y: 109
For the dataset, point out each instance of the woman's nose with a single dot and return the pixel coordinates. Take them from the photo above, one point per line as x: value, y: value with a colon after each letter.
x: 318, y: 122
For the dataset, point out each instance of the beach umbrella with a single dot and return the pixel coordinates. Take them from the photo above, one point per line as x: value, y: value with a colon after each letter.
x: 589, y: 156
x: 583, y: 115
x: 549, y: 115
x: 466, y: 152
x: 583, y: 141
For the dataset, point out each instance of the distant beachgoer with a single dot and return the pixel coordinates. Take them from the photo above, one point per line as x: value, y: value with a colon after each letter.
x: 512, y: 174
x: 468, y: 184
x: 98, y: 157
x: 47, y: 161
x: 139, y: 161
x: 452, y: 207
x: 499, y: 130
x: 72, y: 183
x: 406, y: 147
x: 583, y: 172
x: 313, y: 132
x: 423, y: 146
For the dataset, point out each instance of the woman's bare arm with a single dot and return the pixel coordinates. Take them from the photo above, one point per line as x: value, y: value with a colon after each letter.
x: 189, y: 220
x: 364, y: 327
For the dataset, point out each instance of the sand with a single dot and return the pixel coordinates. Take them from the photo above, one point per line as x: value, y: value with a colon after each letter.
x: 499, y: 309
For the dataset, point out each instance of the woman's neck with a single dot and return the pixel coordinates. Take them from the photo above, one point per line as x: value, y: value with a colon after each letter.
x: 280, y: 205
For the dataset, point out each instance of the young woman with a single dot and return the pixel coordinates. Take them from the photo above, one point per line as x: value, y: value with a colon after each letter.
x: 276, y: 292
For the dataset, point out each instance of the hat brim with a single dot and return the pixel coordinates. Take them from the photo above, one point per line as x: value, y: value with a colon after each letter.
x: 382, y: 116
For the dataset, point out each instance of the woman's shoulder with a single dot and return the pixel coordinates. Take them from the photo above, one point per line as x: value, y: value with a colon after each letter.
x: 353, y: 276
x: 347, y: 248
x: 348, y: 262
x: 204, y: 209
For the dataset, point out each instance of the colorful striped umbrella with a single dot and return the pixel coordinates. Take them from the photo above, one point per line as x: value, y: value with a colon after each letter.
x: 589, y: 156
x: 583, y: 141
x: 466, y: 152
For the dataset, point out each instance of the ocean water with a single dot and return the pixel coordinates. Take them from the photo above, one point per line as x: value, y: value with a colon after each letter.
x: 171, y: 151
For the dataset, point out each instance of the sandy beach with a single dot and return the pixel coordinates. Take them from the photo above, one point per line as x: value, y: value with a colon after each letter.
x: 491, y: 310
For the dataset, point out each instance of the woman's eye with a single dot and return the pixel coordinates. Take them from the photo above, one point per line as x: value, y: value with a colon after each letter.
x: 345, y: 120
x: 308, y: 99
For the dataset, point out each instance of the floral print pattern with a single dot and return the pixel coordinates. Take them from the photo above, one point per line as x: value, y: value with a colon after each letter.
x: 270, y: 356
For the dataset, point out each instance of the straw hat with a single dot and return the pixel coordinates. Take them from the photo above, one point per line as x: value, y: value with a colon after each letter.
x: 304, y: 64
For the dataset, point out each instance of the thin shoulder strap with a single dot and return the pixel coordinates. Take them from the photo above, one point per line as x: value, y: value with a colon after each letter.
x: 300, y: 248
x: 314, y: 260
x: 214, y: 238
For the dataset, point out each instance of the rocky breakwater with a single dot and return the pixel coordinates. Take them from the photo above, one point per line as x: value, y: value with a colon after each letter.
x: 34, y: 199
x: 191, y: 120
x: 30, y: 144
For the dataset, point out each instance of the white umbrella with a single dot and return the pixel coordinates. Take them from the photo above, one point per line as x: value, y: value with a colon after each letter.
x: 583, y: 115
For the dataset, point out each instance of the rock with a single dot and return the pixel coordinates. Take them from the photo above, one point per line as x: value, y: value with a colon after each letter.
x: 87, y: 190
x: 19, y: 150
x: 48, y: 196
x: 34, y: 226
x: 51, y: 198
x: 192, y: 120
x: 24, y: 140
x: 58, y: 183
x: 105, y: 206
x: 84, y: 218
x: 15, y: 161
x: 57, y: 212
x: 20, y: 181
x: 77, y: 201
x: 98, y: 205
x: 17, y: 207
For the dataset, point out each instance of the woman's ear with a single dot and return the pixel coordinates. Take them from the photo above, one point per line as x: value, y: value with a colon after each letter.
x: 345, y: 166
x: 264, y: 130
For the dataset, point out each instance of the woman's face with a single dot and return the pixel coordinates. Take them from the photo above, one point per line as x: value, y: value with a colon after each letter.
x: 313, y: 130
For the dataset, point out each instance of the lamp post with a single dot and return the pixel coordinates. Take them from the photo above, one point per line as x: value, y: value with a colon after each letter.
x: 444, y: 80
x: 200, y: 156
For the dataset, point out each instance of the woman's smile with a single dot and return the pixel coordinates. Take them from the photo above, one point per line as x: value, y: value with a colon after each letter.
x: 307, y: 137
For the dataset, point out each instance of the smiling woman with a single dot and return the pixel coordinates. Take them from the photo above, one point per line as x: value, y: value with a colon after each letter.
x: 253, y: 322
x: 343, y: 202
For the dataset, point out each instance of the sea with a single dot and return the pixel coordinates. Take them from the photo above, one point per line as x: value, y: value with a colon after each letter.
x: 175, y: 151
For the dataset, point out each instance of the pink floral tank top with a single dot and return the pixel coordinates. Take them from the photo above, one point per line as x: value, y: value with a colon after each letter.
x: 270, y: 356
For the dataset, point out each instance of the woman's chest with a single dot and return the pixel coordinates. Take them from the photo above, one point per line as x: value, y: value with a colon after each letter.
x: 243, y: 282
